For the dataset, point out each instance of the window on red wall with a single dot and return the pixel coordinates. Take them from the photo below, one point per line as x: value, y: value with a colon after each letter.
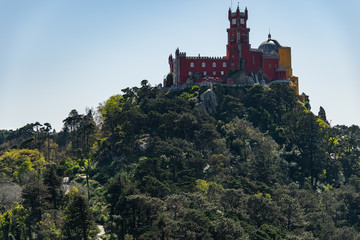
x: 203, y: 64
x: 214, y: 73
x: 191, y: 64
x: 204, y: 73
x: 214, y: 64
x: 224, y: 64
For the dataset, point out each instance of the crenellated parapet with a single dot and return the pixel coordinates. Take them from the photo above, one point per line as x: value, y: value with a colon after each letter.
x: 206, y: 58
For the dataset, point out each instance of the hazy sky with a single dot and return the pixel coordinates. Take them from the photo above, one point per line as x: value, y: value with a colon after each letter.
x: 59, y: 55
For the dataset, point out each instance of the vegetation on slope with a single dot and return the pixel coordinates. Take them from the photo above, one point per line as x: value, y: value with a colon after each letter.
x: 154, y: 166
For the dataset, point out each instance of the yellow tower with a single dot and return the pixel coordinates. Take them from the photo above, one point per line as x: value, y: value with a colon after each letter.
x: 285, y: 62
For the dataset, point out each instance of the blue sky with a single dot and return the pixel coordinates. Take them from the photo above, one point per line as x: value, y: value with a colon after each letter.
x: 59, y: 55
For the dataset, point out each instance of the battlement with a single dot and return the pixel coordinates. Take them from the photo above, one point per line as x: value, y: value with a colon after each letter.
x: 207, y: 58
x: 234, y: 14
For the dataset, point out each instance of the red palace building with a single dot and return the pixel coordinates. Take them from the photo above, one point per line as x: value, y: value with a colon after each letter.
x: 241, y: 65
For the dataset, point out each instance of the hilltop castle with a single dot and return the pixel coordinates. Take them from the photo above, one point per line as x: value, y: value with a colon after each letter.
x: 242, y: 65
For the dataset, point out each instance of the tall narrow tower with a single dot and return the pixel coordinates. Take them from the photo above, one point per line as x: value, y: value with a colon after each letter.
x: 238, y: 38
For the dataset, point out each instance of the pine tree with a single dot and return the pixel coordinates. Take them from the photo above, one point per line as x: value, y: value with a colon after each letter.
x: 78, y: 217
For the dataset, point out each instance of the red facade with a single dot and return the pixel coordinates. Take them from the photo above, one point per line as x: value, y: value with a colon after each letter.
x: 239, y: 57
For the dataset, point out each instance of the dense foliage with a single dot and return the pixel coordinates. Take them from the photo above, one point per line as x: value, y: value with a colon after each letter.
x: 152, y: 164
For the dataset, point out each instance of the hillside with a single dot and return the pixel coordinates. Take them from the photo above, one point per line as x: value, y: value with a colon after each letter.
x: 202, y: 163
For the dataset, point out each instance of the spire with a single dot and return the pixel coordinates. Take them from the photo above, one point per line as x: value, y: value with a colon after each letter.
x: 269, y: 36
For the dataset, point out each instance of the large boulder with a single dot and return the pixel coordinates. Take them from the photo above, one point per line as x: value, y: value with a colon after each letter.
x: 322, y: 114
x: 208, y: 102
x: 240, y: 78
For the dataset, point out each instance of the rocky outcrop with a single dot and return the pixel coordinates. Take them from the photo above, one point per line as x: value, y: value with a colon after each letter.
x: 143, y: 143
x: 208, y: 102
x: 322, y: 114
x: 252, y: 78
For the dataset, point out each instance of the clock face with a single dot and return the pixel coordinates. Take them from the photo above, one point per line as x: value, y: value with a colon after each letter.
x: 234, y: 21
x: 242, y: 21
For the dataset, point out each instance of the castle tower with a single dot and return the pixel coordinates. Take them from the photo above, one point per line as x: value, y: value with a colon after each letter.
x: 238, y: 38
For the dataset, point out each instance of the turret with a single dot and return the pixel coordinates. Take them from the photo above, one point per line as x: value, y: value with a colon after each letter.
x: 171, y: 63
x: 246, y: 13
x: 229, y: 14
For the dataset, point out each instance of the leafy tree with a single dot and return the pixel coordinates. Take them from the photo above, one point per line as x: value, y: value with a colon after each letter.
x: 48, y: 229
x: 53, y: 184
x: 346, y: 233
x: 17, y: 164
x: 34, y: 194
x: 19, y: 221
x: 194, y: 226
x: 176, y: 205
x: 23, y: 136
x: 305, y: 133
x: 262, y: 210
x: 5, y: 225
x: 257, y: 152
x: 290, y: 207
x: 46, y: 130
x: 227, y: 229
x: 79, y: 223
x: 230, y: 108
x: 347, y: 142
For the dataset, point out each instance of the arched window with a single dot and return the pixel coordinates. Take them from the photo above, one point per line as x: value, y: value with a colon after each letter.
x: 203, y: 64
x: 222, y: 72
x: 224, y: 64
x: 192, y: 64
x: 214, y: 64
x: 190, y: 73
x: 214, y: 73
x: 204, y: 73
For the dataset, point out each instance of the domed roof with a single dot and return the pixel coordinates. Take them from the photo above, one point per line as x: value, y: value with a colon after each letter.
x: 270, y: 45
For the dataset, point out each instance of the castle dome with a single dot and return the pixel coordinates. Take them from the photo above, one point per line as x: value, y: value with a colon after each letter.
x: 269, y: 45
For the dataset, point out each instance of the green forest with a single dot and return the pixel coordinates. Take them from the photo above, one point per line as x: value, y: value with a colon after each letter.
x: 148, y: 163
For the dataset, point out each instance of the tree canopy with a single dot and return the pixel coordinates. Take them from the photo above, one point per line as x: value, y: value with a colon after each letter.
x: 155, y: 164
